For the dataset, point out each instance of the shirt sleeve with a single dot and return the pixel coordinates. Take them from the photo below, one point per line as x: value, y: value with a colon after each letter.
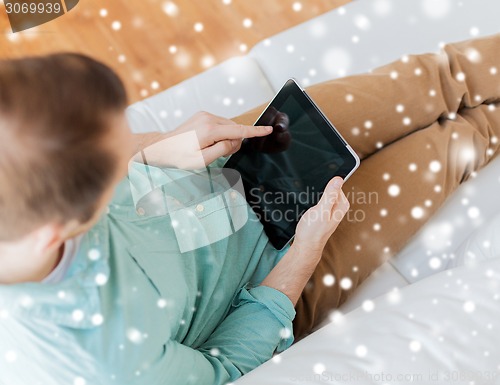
x: 219, y: 162
x: 258, y: 325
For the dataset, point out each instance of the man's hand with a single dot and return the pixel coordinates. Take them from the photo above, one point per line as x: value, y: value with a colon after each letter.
x: 315, y: 227
x: 319, y: 222
x: 278, y: 141
x: 198, y: 142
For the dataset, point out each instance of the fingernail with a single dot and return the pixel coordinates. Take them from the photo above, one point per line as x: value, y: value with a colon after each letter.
x: 337, y: 183
x: 269, y: 128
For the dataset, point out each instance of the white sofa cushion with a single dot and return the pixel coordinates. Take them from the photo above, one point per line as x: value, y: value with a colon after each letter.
x: 482, y: 245
x: 443, y: 327
x: 434, y: 248
x: 232, y: 87
x: 366, y: 34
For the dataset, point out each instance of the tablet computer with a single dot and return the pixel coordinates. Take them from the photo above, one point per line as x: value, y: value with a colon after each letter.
x: 285, y: 173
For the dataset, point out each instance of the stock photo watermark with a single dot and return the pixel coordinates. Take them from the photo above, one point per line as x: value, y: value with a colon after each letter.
x: 289, y: 206
x: 26, y: 14
x: 431, y: 376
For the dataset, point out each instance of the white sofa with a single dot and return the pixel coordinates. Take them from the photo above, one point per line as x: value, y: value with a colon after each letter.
x: 445, y: 325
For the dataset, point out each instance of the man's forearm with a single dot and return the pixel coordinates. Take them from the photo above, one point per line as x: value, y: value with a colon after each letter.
x: 293, y: 271
x: 148, y: 140
x: 142, y: 141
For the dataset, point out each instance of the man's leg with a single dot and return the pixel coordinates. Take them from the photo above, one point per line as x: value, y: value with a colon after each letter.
x: 392, y: 195
x: 375, y: 109
x: 427, y: 113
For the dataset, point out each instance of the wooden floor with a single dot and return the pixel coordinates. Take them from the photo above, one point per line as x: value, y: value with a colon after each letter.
x: 155, y: 44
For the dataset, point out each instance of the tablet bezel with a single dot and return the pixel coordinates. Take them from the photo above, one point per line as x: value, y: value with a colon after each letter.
x: 321, y: 122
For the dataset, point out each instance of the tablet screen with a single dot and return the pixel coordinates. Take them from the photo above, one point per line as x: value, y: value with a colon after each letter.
x: 286, y: 172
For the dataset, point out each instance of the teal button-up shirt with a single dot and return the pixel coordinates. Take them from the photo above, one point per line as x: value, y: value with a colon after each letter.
x: 157, y: 294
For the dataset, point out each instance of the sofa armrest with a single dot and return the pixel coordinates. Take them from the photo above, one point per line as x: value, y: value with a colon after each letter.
x: 231, y: 88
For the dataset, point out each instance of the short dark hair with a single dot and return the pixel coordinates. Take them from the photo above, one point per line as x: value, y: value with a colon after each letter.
x: 55, y: 111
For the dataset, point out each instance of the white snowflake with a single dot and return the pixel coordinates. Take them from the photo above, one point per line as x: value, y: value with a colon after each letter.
x: 368, y: 305
x: 362, y: 22
x: 394, y: 296
x: 473, y: 212
x: 247, y: 22
x: 394, y: 190
x: 79, y: 381
x: 276, y: 359
x: 346, y: 283
x: 198, y: 27
x: 460, y: 76
x: 207, y: 61
x: 415, y: 346
x: 469, y: 306
x: 94, y: 254
x: 116, y: 25
x: 328, y: 280
x: 170, y: 8
x: 97, y: 319
x: 319, y: 368
x: 297, y: 6
x: 78, y: 315
x: 435, y: 166
x: 101, y: 279
x: 214, y: 352
x: 435, y: 263
x: 417, y: 212
x: 285, y: 333
x: 135, y: 336
x: 361, y: 351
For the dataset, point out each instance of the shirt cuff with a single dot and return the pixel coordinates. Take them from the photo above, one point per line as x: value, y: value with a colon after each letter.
x: 277, y: 303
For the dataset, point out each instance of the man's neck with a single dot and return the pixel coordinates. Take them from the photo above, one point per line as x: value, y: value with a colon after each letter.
x: 53, y: 261
x: 15, y: 269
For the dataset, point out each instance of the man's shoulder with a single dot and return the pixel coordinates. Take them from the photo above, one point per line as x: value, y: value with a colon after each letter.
x: 36, y: 350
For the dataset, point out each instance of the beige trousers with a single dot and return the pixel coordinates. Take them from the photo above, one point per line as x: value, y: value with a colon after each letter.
x: 421, y: 125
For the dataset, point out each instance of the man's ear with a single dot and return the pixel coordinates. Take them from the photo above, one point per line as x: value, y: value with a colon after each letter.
x: 48, y: 237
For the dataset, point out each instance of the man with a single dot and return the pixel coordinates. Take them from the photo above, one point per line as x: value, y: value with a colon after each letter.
x: 98, y: 293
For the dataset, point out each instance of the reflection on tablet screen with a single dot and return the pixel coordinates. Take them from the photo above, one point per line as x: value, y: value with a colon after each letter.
x: 285, y: 172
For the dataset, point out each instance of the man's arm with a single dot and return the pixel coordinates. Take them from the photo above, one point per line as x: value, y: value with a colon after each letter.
x: 315, y: 227
x: 196, y: 143
x: 143, y: 141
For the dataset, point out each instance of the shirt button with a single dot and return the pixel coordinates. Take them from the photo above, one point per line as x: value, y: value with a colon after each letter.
x: 233, y: 194
x: 200, y: 208
x: 141, y: 211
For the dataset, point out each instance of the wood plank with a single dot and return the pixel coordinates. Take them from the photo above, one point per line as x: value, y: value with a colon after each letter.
x: 139, y: 50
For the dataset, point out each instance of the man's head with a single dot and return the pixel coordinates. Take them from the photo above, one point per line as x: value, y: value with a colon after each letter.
x: 64, y: 142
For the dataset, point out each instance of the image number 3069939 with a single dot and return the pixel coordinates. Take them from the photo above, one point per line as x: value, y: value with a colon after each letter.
x: 26, y: 14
